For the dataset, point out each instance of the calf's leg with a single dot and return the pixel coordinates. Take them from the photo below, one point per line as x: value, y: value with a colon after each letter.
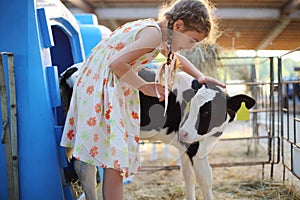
x: 87, y: 177
x: 189, y: 177
x: 204, y: 176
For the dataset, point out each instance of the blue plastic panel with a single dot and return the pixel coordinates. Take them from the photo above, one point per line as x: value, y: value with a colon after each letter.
x: 45, y: 28
x: 87, y: 19
x: 53, y: 85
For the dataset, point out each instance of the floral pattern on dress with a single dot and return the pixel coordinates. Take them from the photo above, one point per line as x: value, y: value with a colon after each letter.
x: 103, y: 121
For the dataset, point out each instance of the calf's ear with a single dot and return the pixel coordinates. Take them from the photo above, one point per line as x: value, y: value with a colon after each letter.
x: 234, y: 103
x: 66, y: 74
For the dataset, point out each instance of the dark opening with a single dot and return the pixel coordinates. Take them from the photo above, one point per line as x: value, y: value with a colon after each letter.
x: 61, y: 56
x: 61, y: 53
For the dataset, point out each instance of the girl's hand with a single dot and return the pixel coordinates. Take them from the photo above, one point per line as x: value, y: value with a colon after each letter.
x: 154, y: 90
x: 210, y: 80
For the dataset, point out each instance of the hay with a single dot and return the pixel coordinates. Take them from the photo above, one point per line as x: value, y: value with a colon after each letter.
x: 258, y: 189
x: 239, y: 183
x: 76, y: 188
x: 267, y: 190
x: 229, y: 183
x: 157, y: 185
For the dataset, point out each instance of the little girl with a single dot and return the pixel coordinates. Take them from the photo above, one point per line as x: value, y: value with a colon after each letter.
x: 103, y: 122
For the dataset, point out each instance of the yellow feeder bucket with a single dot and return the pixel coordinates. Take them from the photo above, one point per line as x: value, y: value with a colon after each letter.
x: 243, y: 113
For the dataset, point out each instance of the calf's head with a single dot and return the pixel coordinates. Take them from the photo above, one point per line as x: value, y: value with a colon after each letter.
x: 207, y: 111
x: 66, y: 82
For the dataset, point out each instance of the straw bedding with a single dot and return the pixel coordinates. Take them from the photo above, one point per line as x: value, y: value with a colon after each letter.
x: 241, y: 183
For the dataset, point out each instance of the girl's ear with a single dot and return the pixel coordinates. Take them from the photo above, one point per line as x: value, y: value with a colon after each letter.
x: 178, y: 25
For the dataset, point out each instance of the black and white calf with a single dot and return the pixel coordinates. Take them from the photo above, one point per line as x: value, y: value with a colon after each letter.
x: 195, y: 118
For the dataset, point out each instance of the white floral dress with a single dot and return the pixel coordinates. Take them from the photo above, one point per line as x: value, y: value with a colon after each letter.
x: 103, y: 121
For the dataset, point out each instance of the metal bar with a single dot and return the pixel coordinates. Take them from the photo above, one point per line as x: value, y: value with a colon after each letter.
x: 159, y: 168
x: 263, y: 171
x: 280, y: 116
x: 4, y: 100
x: 6, y: 134
x: 291, y: 142
x: 272, y: 115
x: 288, y: 112
x: 249, y: 83
x: 248, y: 138
x: 291, y: 170
x: 294, y: 129
x: 262, y: 110
x: 292, y: 159
x: 177, y: 167
x: 10, y: 148
x: 234, y: 164
x: 297, y: 119
x: 240, y: 58
x: 221, y: 139
x: 283, y: 173
x: 297, y: 145
x: 289, y: 82
x: 13, y: 123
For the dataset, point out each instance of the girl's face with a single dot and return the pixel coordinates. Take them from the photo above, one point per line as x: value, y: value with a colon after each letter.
x: 186, y: 40
x: 183, y: 39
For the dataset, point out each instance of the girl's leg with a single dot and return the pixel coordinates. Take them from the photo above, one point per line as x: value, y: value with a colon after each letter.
x: 112, y: 188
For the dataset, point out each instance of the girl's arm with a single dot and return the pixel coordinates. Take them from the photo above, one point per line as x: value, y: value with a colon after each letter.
x: 147, y: 40
x: 186, y: 66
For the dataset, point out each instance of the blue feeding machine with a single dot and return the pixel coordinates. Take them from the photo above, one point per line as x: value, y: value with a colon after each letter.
x: 39, y: 40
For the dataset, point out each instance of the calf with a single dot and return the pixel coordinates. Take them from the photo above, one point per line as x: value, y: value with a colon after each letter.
x: 195, y: 118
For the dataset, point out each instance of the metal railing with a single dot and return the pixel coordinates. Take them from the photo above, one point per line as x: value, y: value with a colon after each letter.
x: 264, y: 116
x: 290, y: 118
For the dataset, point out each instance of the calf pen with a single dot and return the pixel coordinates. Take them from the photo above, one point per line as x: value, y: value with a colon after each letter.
x: 256, y: 158
x: 267, y: 141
